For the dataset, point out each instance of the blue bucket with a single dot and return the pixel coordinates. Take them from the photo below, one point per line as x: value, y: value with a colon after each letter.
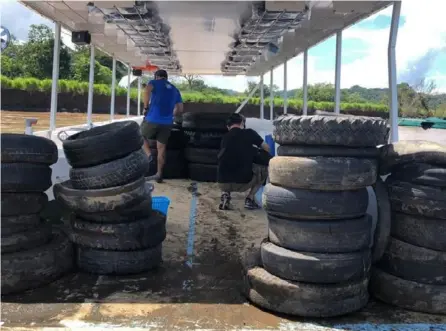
x: 161, y: 204
x: 272, y: 145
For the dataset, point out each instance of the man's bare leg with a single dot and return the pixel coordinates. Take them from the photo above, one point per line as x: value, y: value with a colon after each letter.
x: 146, y: 148
x: 161, y: 159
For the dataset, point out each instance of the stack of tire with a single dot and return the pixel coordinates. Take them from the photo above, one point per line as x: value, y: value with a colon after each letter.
x: 205, y: 132
x: 32, y: 253
x: 317, y: 257
x: 175, y: 165
x: 113, y: 226
x: 412, y: 272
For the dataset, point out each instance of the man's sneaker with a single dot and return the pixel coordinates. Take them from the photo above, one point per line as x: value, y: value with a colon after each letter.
x: 225, y: 202
x: 157, y: 178
x: 251, y: 204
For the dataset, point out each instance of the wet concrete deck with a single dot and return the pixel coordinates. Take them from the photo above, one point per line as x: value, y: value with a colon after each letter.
x: 204, y: 296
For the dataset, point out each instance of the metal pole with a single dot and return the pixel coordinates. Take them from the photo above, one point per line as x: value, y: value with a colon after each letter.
x: 139, y: 96
x: 56, y: 61
x: 90, y: 88
x: 247, y: 98
x: 128, y: 90
x: 337, y: 109
x: 113, y: 91
x: 271, y: 97
x: 305, y: 85
x: 285, y: 90
x: 393, y: 87
x: 262, y: 99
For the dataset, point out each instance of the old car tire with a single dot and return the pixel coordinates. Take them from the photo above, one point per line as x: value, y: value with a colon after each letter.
x: 350, y: 131
x: 309, y: 267
x: 36, y: 267
x: 299, y: 203
x: 23, y: 148
x: 114, y: 173
x: 102, y: 144
x: 322, y: 173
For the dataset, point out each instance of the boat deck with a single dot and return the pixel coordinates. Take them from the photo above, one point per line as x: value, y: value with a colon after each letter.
x: 203, y: 295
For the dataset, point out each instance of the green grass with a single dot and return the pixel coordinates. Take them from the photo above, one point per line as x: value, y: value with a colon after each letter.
x: 75, y: 87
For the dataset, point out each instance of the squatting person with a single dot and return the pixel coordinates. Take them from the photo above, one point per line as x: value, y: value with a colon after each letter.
x: 165, y: 103
x: 242, y: 162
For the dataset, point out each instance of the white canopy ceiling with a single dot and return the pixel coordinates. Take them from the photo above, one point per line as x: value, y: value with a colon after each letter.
x: 202, y: 33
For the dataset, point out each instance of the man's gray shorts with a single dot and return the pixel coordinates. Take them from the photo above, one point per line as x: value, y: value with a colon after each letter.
x: 259, y: 175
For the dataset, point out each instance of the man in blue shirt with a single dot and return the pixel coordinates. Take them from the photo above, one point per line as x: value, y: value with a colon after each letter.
x: 165, y: 103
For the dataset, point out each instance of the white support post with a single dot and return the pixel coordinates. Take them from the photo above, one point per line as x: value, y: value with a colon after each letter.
x: 305, y: 85
x: 262, y: 99
x: 55, y: 78
x: 337, y: 109
x: 90, y: 88
x: 271, y: 97
x: 113, y: 91
x: 285, y: 89
x: 247, y: 98
x: 128, y: 90
x: 139, y: 96
x: 393, y: 87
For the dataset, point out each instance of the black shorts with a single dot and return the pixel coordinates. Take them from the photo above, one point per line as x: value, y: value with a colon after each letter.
x: 158, y: 132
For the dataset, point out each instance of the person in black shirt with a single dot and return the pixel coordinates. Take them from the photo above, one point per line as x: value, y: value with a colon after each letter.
x: 238, y: 170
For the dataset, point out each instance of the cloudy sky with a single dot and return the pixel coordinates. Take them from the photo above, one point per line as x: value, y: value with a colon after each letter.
x: 421, y: 48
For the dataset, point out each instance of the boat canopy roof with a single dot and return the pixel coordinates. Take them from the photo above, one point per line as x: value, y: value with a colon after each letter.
x: 206, y: 37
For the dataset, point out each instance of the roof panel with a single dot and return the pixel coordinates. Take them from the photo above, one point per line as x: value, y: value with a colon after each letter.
x: 204, y: 34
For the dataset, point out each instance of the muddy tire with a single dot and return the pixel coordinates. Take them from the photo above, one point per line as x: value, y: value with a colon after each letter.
x: 408, y: 294
x: 201, y: 155
x: 102, y: 144
x: 297, y: 203
x: 14, y: 204
x: 322, y: 173
x: 23, y: 148
x: 144, y: 233
x: 421, y: 174
x: 211, y: 140
x: 36, y: 267
x: 203, y: 172
x: 25, y: 177
x: 414, y: 263
x: 328, y: 151
x: 350, y: 131
x: 381, y: 234
x: 205, y: 121
x: 105, y: 262
x: 311, y: 267
x: 411, y: 151
x: 114, y: 173
x: 326, y: 236
x: 420, y: 231
x: 174, y: 167
x: 102, y: 200
x: 303, y: 299
x: 19, y: 223
x: 138, y: 211
x: 417, y: 199
x: 29, y: 239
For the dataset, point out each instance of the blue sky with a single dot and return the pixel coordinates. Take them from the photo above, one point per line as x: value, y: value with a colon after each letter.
x: 421, y: 48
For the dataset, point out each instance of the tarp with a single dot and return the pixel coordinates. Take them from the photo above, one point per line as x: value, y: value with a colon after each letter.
x: 430, y: 122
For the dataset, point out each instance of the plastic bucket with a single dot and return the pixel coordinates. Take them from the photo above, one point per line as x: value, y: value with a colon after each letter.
x: 161, y: 204
x: 272, y: 145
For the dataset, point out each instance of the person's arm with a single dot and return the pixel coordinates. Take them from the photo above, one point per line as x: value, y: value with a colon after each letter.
x: 258, y: 141
x: 147, y: 94
x: 179, y: 107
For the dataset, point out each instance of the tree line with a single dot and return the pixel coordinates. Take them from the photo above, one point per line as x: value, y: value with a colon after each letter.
x: 34, y: 58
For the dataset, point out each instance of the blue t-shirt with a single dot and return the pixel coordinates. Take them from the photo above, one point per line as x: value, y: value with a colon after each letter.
x: 162, y: 102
